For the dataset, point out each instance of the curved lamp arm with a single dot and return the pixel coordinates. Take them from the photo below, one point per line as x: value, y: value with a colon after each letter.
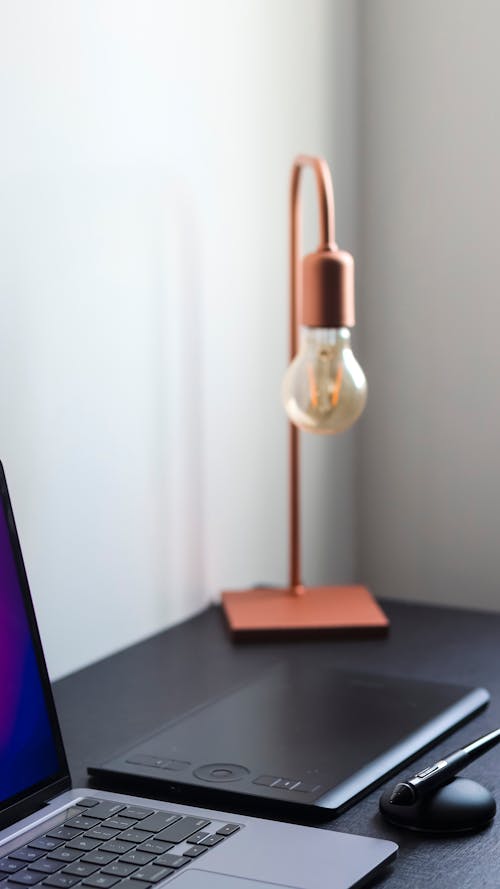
x: 327, y: 242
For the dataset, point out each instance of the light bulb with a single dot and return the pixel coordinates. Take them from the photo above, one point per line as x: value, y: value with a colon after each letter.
x: 324, y: 389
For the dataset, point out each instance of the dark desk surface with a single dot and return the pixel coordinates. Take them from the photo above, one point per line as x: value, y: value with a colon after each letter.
x: 110, y: 705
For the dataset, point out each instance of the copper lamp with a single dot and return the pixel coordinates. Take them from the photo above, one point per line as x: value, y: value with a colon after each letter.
x: 324, y: 391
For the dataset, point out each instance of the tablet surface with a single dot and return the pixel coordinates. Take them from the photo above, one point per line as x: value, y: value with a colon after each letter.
x: 296, y: 738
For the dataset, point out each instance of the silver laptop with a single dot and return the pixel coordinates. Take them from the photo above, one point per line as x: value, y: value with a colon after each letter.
x: 57, y: 837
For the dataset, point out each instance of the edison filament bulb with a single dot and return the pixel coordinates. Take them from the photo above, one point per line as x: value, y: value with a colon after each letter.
x: 324, y: 389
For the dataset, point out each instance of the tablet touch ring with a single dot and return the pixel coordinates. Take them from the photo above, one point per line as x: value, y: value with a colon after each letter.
x: 221, y: 772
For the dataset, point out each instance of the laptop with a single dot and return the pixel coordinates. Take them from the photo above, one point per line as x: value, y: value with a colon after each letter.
x: 59, y: 837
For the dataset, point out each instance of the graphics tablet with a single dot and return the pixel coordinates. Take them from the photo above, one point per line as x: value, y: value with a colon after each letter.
x: 296, y: 738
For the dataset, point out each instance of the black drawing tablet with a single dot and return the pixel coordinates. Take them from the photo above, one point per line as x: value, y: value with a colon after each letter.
x: 294, y: 737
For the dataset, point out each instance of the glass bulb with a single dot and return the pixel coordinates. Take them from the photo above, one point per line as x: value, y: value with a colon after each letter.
x: 324, y: 389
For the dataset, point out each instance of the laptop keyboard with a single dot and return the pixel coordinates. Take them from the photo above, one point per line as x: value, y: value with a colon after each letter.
x: 101, y: 843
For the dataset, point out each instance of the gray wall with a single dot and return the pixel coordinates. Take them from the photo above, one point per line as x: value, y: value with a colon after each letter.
x: 429, y: 307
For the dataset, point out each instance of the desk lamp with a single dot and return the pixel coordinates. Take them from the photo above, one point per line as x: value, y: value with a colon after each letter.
x: 324, y: 391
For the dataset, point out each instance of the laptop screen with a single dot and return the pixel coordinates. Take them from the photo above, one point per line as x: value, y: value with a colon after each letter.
x: 31, y: 754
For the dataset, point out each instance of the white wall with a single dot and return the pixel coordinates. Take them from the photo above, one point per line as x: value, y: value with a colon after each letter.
x: 143, y: 283
x: 144, y: 166
x: 429, y: 486
x: 300, y: 76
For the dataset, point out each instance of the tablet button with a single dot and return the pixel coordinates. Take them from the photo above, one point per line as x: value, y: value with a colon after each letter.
x: 302, y: 787
x: 286, y: 784
x: 175, y: 765
x: 266, y: 780
x: 143, y: 759
x: 293, y: 784
x: 221, y: 772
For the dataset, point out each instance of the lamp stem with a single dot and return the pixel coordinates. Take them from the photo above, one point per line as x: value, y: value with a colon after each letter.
x: 327, y: 240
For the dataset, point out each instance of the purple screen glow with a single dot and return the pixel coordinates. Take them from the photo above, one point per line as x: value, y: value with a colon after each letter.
x: 28, y: 753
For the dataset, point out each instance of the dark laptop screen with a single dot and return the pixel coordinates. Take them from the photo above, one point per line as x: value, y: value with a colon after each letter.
x: 30, y: 747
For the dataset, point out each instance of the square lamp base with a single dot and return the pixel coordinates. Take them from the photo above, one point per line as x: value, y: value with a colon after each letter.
x: 321, y: 610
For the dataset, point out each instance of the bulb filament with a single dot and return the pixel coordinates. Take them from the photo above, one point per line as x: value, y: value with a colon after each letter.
x: 337, y: 385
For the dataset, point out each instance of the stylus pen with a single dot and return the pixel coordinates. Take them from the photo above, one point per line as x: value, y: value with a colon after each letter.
x: 408, y: 792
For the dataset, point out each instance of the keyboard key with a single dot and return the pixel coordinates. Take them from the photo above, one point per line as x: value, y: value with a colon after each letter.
x: 119, y: 869
x: 134, y: 836
x: 64, y: 854
x: 71, y: 812
x: 138, y: 813
x: 212, y: 840
x: 83, y: 843
x: 228, y: 829
x: 105, y: 809
x: 46, y: 843
x: 117, y: 847
x: 155, y: 848
x: 101, y: 881
x: 118, y: 823
x: 9, y: 865
x: 45, y: 866
x: 198, y: 837
x: 101, y: 833
x: 26, y: 878
x: 195, y: 851
x: 82, y: 822
x: 61, y: 881
x: 171, y: 860
x: 153, y: 874
x: 99, y: 857
x: 158, y: 821
x: 182, y: 829
x: 63, y: 833
x: 136, y: 857
x: 80, y: 869
x: 87, y: 802
x: 26, y: 854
